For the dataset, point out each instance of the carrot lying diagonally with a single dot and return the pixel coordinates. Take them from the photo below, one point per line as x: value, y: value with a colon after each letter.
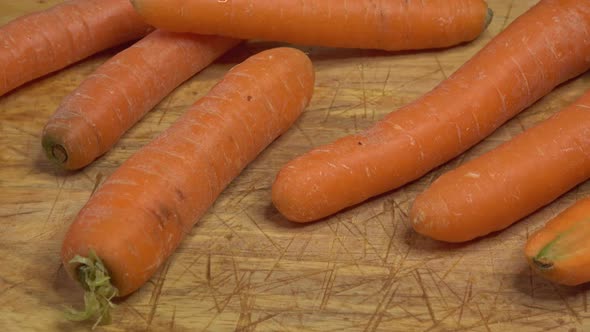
x: 43, y: 42
x: 140, y: 214
x: 112, y: 99
x: 495, y: 190
x: 542, y: 48
x: 560, y: 251
x: 388, y: 25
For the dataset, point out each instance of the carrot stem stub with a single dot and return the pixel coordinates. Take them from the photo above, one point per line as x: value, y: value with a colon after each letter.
x: 387, y: 25
x: 138, y: 217
x: 94, y: 278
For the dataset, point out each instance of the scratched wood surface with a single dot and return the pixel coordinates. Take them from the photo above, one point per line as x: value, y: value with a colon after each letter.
x: 244, y: 267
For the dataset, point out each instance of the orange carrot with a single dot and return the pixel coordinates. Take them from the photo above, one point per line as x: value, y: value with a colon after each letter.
x: 560, y: 251
x: 40, y: 43
x: 120, y: 92
x: 493, y: 191
x: 388, y: 25
x: 541, y: 49
x: 137, y: 218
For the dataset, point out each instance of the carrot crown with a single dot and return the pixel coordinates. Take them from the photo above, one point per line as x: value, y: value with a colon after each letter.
x: 94, y: 277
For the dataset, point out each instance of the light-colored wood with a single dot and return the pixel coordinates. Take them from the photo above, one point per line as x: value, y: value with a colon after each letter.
x: 245, y: 268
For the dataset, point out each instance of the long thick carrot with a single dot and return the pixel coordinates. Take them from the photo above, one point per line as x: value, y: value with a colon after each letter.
x: 542, y: 48
x: 560, y: 251
x: 387, y: 25
x: 495, y: 190
x: 120, y: 92
x: 40, y: 43
x: 141, y: 213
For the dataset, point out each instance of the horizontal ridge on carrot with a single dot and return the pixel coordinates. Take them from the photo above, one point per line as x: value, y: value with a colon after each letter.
x: 121, y: 91
x: 387, y: 25
x: 542, y: 48
x: 43, y: 42
x: 500, y: 187
x: 137, y: 218
x: 560, y: 250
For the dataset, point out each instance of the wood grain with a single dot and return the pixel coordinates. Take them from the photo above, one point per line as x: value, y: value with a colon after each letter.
x: 244, y: 267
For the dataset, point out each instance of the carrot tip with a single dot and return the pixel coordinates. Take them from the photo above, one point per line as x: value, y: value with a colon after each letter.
x: 94, y: 278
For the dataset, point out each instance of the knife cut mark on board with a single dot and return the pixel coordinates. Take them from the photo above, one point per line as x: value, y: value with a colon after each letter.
x: 156, y: 292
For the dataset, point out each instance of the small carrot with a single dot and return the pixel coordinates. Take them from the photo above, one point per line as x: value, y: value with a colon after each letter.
x: 542, y: 48
x: 121, y: 91
x: 43, y: 42
x: 560, y: 251
x: 388, y: 25
x: 137, y: 218
x: 493, y: 191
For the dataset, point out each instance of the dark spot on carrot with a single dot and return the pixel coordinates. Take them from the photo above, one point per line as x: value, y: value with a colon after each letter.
x: 180, y: 194
x: 360, y: 143
x: 249, y: 98
x: 162, y: 214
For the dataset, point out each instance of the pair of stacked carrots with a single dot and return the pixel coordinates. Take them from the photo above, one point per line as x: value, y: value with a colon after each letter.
x: 134, y: 222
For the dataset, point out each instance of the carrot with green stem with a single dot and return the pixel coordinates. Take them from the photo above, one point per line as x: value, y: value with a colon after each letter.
x: 43, y: 42
x: 90, y: 120
x: 500, y: 187
x: 560, y: 250
x: 388, y: 25
x: 137, y: 218
x: 542, y: 48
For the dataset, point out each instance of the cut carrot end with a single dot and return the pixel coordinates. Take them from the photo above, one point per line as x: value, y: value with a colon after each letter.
x: 59, y: 153
x: 95, y: 279
x: 54, y: 151
x: 543, y: 263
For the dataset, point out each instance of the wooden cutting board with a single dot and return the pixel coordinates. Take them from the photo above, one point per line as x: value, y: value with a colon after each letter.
x: 244, y: 267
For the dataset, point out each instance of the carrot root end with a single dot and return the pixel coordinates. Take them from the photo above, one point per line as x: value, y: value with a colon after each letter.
x: 94, y: 277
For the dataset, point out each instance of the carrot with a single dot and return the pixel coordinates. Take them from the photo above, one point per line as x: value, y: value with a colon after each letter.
x: 387, y: 25
x: 560, y: 250
x: 43, y: 42
x: 493, y: 191
x: 542, y: 48
x: 137, y: 218
x: 120, y: 92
